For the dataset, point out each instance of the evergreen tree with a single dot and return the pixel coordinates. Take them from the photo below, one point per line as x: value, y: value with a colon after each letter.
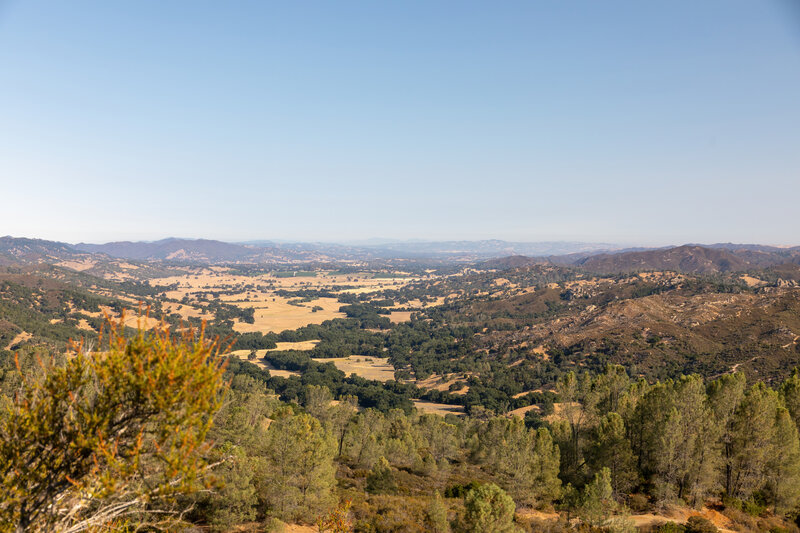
x: 783, y: 469
x: 752, y: 429
x: 610, y: 449
x: 297, y: 477
x: 598, y: 504
x: 527, y: 460
x: 724, y: 396
x: 235, y: 501
x: 790, y: 394
x: 488, y: 509
x: 381, y: 479
x: 687, y: 463
x: 436, y: 515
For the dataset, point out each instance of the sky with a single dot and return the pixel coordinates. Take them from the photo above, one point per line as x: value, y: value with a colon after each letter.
x: 618, y: 121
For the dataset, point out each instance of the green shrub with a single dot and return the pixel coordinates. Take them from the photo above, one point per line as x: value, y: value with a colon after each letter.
x: 639, y: 502
x: 381, y: 479
x: 670, y: 527
x: 698, y: 524
x: 754, y: 506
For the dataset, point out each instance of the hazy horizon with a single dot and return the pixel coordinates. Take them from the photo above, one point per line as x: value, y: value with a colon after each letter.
x: 377, y: 241
x: 623, y: 122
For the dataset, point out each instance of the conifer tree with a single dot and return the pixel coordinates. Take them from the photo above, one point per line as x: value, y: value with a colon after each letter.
x: 688, y: 459
x: 724, y: 396
x: 783, y: 469
x: 297, y: 476
x: 753, y: 426
x: 488, y: 509
x: 790, y: 394
x: 598, y: 504
x: 436, y: 515
x: 611, y: 449
x: 381, y: 479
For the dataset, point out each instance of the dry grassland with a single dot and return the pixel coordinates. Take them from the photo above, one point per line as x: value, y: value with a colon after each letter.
x: 132, y: 318
x: 279, y: 315
x: 272, y: 312
x: 79, y: 266
x: 300, y: 346
x: 367, y: 367
x: 400, y: 316
x: 185, y: 311
x: 260, y: 363
x: 21, y: 337
x: 440, y: 409
x: 441, y: 383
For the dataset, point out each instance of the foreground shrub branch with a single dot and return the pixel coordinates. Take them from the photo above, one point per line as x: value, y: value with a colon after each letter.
x: 111, y: 434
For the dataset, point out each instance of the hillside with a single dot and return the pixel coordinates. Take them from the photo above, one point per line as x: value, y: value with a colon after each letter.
x: 689, y: 259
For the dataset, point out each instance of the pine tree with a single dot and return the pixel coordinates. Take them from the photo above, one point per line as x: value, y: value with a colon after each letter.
x: 488, y: 509
x: 790, y: 394
x: 297, y: 477
x: 436, y: 515
x: 527, y: 460
x: 724, y: 396
x: 598, y: 504
x: 381, y: 479
x: 783, y: 469
x: 610, y: 449
x: 687, y: 464
x: 752, y: 429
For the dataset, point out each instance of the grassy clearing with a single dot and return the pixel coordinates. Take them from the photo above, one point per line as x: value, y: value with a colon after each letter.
x: 375, y: 368
x: 295, y: 274
x: 441, y: 409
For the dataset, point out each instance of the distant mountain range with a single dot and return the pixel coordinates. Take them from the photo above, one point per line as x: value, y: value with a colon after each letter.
x: 487, y: 254
x: 212, y: 251
x: 692, y: 259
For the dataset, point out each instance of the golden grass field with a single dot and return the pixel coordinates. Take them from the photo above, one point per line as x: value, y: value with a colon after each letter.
x: 301, y: 346
x: 273, y: 313
x: 439, y: 408
x: 260, y: 363
x: 377, y: 368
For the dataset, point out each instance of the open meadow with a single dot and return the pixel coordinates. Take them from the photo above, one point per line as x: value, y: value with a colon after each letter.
x: 273, y: 310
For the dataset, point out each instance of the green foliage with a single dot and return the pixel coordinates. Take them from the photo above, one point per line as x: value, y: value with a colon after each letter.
x: 698, y: 524
x: 436, y: 515
x: 381, y: 479
x: 296, y: 478
x: 109, y: 433
x: 670, y: 527
x: 598, y: 504
x: 610, y: 448
x: 488, y: 509
x: 526, y: 460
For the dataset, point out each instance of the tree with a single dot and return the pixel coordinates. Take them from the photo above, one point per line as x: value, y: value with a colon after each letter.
x: 436, y: 515
x: 783, y: 469
x: 297, y: 477
x: 790, y: 394
x: 235, y: 500
x: 381, y: 480
x: 110, y: 433
x: 488, y: 509
x: 686, y: 466
x: 752, y: 430
x: 361, y: 445
x: 724, y: 396
x: 610, y: 449
x: 598, y: 502
x: 573, y: 392
x: 527, y: 460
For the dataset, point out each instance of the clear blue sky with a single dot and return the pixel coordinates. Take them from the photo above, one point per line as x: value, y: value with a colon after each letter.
x: 633, y: 122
